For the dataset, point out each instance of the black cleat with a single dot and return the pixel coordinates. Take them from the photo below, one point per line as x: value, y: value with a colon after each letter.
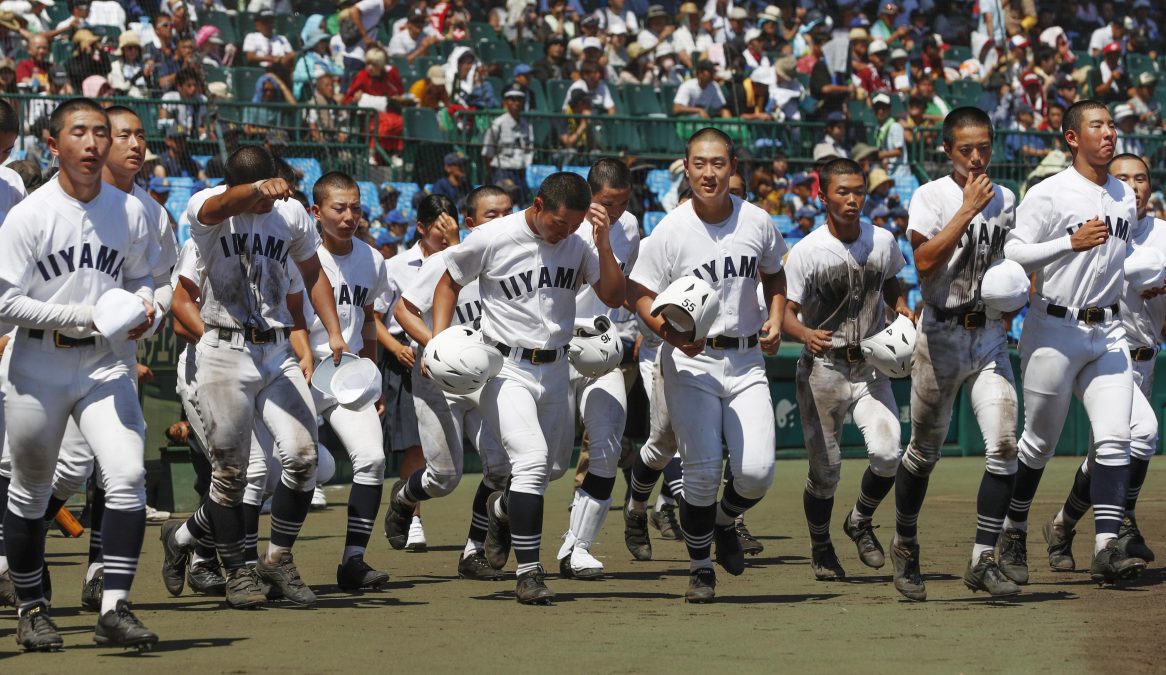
x: 702, y: 586
x: 729, y: 554
x: 285, y: 577
x: 476, y: 568
x: 7, y: 591
x: 244, y: 589
x: 824, y: 563
x: 1012, y: 555
x: 355, y: 574
x: 397, y: 518
x: 987, y: 576
x: 532, y: 588
x: 749, y: 544
x: 908, y: 578
x: 206, y: 577
x: 635, y: 534
x: 120, y: 628
x: 36, y: 632
x: 175, y: 558
x: 1131, y: 542
x: 870, y: 551
x: 497, y: 544
x: 1060, y: 547
x: 91, y: 592
x: 1112, y: 565
x: 664, y: 520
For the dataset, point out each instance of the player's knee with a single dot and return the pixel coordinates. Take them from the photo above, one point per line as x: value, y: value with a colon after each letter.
x: 701, y: 485
x: 919, y: 461
x: 368, y: 468
x: 822, y: 481
x: 656, y: 455
x: 1001, y: 465
x: 1032, y: 456
x: 884, y: 458
x: 754, y: 480
x: 440, y: 483
x: 604, y: 460
x: 1111, y: 453
x: 29, y: 501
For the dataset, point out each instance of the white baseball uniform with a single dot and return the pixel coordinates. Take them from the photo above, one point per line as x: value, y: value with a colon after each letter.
x: 839, y: 286
x: 1143, y: 320
x: 12, y: 191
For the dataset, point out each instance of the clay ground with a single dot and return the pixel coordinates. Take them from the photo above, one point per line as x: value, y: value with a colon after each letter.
x: 773, y: 618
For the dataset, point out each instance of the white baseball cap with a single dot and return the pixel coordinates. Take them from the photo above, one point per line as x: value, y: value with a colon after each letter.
x: 1004, y: 287
x: 877, y: 46
x: 1145, y: 268
x: 592, y: 43
x: 117, y: 312
x: 1122, y: 111
x: 752, y: 34
x: 355, y: 383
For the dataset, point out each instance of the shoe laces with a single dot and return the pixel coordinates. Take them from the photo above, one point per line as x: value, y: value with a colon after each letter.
x: 125, y: 614
x: 704, y: 575
x: 39, y: 619
x: 291, y: 572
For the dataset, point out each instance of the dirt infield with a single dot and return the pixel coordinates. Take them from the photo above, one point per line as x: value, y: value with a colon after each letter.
x: 774, y: 618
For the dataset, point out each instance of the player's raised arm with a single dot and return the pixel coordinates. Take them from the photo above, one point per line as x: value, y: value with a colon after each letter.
x: 240, y: 199
x: 612, y: 287
x: 444, y: 299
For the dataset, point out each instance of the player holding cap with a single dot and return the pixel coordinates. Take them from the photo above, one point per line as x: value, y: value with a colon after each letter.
x: 61, y: 250
x: 1142, y: 314
x: 957, y: 226
x: 715, y: 388
x: 529, y: 266
x: 1073, y: 231
x: 839, y: 278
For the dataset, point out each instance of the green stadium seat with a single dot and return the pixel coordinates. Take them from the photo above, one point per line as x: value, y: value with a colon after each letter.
x: 493, y: 51
x: 421, y: 124
x: 245, y: 79
x: 540, y: 96
x: 481, y: 30
x: 966, y: 92
x: 556, y: 93
x: 530, y: 51
x: 958, y: 53
x: 641, y: 100
x: 290, y: 26
x: 1139, y: 63
x: 224, y: 22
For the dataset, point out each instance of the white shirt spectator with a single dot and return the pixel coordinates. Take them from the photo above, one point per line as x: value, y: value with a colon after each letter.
x: 107, y: 13
x: 36, y: 23
x: 710, y: 98
x: 274, y: 46
x: 402, y: 43
x: 277, y: 6
x: 600, y: 98
x: 608, y: 20
x: 1101, y: 37
x: 685, y: 42
x: 371, y: 13
x: 186, y: 113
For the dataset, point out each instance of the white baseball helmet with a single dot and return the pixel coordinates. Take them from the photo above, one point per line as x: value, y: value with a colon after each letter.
x: 459, y: 362
x: 1004, y: 287
x: 1145, y: 268
x: 690, y: 305
x: 599, y: 354
x: 890, y: 349
x: 354, y: 383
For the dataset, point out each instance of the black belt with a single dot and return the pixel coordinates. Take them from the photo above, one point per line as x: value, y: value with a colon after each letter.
x: 535, y: 356
x: 252, y: 334
x: 1143, y: 353
x: 1085, y: 315
x: 849, y: 353
x: 968, y: 320
x: 729, y: 342
x: 62, y: 341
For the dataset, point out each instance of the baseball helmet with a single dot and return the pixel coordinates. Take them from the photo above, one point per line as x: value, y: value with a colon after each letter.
x: 890, y: 349
x: 354, y: 383
x: 690, y: 305
x: 1145, y: 268
x: 598, y: 354
x: 459, y: 362
x: 1004, y: 287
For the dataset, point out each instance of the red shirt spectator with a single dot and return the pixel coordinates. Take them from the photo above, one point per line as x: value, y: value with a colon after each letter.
x: 37, y: 65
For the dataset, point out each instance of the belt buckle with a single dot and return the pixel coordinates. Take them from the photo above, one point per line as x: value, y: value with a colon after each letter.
x: 535, y: 359
x: 57, y: 337
x: 973, y: 320
x: 853, y: 353
x: 1143, y: 353
x: 257, y: 337
x: 1094, y: 315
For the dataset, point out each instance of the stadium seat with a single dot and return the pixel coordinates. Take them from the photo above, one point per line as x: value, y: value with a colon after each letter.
x: 966, y: 92
x: 905, y: 188
x: 556, y: 93
x: 493, y: 51
x: 579, y: 170
x: 311, y: 169
x: 224, y: 22
x: 368, y: 198
x: 421, y: 124
x: 651, y: 220
x: 405, y: 200
x: 244, y: 82
x: 529, y: 51
x: 537, y: 173
x: 659, y: 181
x: 783, y: 223
x: 201, y: 160
x: 641, y: 100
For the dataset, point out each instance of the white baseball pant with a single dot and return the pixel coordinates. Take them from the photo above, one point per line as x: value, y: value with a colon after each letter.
x: 661, y: 445
x: 1143, y: 421
x: 362, y: 435
x: 603, y: 404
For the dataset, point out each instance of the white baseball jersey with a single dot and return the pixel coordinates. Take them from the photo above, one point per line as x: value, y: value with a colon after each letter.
x: 468, y: 309
x: 1143, y: 318
x: 728, y: 255
x: 357, y: 279
x: 160, y: 221
x: 625, y: 246
x: 839, y: 284
x: 956, y: 286
x: 528, y: 286
x: 1046, y: 219
x: 402, y: 270
x: 12, y: 190
x: 246, y: 261
x: 59, y: 255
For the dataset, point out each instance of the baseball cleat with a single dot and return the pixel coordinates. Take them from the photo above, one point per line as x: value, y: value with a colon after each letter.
x: 532, y: 588
x: 1112, y: 565
x: 824, y: 563
x: 635, y: 534
x: 174, y: 558
x: 285, y: 577
x: 91, y: 592
x: 36, y: 632
x: 497, y: 544
x: 702, y: 586
x: 729, y: 554
x: 7, y: 591
x: 244, y: 589
x: 1131, y: 542
x: 908, y: 579
x: 416, y: 543
x: 749, y: 544
x: 476, y: 568
x: 206, y: 577
x: 580, y: 564
x: 153, y: 515
x: 397, y: 518
x: 355, y: 574
x: 664, y: 520
x: 986, y: 576
x: 1060, y: 547
x: 120, y: 628
x: 1012, y: 555
x: 870, y: 551
x: 319, y: 500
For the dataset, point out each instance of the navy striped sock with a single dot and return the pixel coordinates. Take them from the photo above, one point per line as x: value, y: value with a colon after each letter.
x: 1079, y: 500
x: 1023, y: 490
x: 122, y: 546
x: 644, y: 480
x: 289, y: 509
x: 478, y: 516
x: 910, y: 490
x: 732, y: 505
x: 413, y: 491
x: 363, y: 503
x: 873, y: 491
x: 991, y: 506
x: 26, y: 554
x: 4, y: 482
x: 1138, y: 469
x: 818, y: 517
x: 97, y: 523
x: 251, y: 533
x: 227, y: 525
x: 673, y: 480
x: 1108, y: 491
x: 526, y: 526
x: 696, y: 523
x: 597, y: 487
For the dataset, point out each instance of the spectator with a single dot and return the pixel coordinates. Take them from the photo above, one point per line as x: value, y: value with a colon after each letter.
x: 258, y: 118
x: 1052, y: 126
x: 12, y: 42
x: 456, y: 186
x: 878, y: 190
x: 1125, y: 118
x: 575, y: 133
x: 640, y: 69
x: 879, y: 216
x: 180, y: 14
x: 658, y: 30
x: 866, y: 155
x: 750, y: 94
x: 387, y: 197
x: 362, y: 18
x: 216, y: 166
x: 127, y: 72
x: 1017, y: 62
x: 315, y: 55
x: 161, y: 54
x: 412, y: 42
x: 779, y: 167
x: 87, y: 59
x: 915, y: 121
x: 773, y: 38
x: 1066, y: 91
x: 803, y: 223
x: 593, y: 53
x: 616, y: 15
x: 732, y: 31
x: 1144, y: 22
x: 1112, y: 83
x: 764, y: 196
x: 32, y: 15
x: 213, y: 51
x: 187, y: 55
x: 268, y: 49
x: 159, y: 189
x: 467, y: 82
x: 737, y: 187
x: 1111, y: 33
x: 832, y: 93
x: 186, y: 105
x: 1145, y: 105
x: 59, y: 84
x: 521, y: 81
x: 616, y: 51
x: 387, y: 243
x: 508, y: 146
x: 554, y: 65
x: 326, y: 125
x: 933, y: 47
x: 431, y: 91
x: 834, y: 143
x: 702, y: 96
x: 884, y: 29
x: 107, y: 13
x: 918, y: 29
x: 378, y: 86
x: 1045, y: 65
x: 668, y: 69
x: 691, y: 40
x: 937, y: 108
x: 898, y: 72
x: 787, y: 92
x: 97, y: 87
x: 801, y: 190
x: 78, y: 18
x: 592, y: 83
x: 1024, y: 146
x: 33, y: 71
x: 176, y: 161
x: 871, y: 75
x: 1032, y: 92
x: 890, y: 139
x: 557, y: 20
x: 754, y: 54
x: 588, y: 28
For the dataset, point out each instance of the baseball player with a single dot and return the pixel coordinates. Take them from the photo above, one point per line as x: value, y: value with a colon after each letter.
x: 445, y: 420
x: 11, y: 185
x: 529, y: 266
x: 356, y: 272
x: 60, y: 250
x: 1143, y: 317
x: 839, y: 278
x: 715, y: 389
x: 957, y: 225
x: 245, y: 231
x: 1073, y: 231
x: 400, y: 409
